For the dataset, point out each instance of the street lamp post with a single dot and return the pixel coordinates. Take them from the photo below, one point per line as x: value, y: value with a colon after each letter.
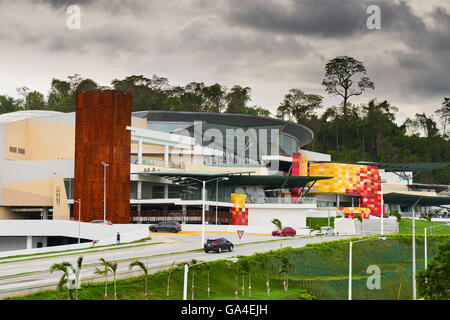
x: 104, y: 190
x: 79, y: 217
x: 204, y: 182
x: 350, y: 263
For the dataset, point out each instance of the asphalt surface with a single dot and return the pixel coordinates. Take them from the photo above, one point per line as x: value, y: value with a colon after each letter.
x: 30, y: 274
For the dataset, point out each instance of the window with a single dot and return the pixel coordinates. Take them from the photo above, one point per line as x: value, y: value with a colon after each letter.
x: 21, y: 150
x: 13, y: 149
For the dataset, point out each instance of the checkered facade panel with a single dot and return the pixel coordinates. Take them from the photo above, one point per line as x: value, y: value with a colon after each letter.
x: 350, y: 212
x: 239, y: 214
x: 351, y: 179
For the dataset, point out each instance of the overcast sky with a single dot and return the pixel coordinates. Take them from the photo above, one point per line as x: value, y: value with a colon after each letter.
x: 270, y: 46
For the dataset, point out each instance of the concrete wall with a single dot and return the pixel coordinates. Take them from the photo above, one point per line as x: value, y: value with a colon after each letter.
x: 41, y: 228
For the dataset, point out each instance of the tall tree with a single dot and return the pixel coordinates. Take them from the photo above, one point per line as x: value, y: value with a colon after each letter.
x: 8, y: 104
x: 237, y: 99
x: 340, y: 74
x: 444, y: 114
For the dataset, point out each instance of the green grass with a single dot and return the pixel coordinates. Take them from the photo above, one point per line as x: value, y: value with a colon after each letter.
x: 321, y: 222
x: 438, y: 227
x: 318, y: 271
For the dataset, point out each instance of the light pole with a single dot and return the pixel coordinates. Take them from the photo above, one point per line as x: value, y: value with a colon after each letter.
x: 104, y: 190
x: 350, y: 263
x: 79, y: 217
x: 425, y: 238
x: 204, y: 182
x: 186, y: 271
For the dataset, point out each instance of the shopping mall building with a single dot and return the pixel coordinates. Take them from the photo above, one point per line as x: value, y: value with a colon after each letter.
x: 150, y: 166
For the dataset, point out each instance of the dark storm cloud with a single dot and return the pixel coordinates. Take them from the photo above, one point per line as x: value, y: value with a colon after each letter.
x: 332, y: 18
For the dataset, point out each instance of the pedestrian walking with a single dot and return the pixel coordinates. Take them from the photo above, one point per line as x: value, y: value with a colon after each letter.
x: 118, y: 239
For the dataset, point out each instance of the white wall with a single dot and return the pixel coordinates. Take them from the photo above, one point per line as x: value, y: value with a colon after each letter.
x: 13, y: 243
x: 39, y: 228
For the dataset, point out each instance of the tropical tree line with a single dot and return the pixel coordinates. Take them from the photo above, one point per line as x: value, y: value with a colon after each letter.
x: 370, y: 131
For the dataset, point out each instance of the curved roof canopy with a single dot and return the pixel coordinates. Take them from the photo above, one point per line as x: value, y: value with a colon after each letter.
x: 303, y: 134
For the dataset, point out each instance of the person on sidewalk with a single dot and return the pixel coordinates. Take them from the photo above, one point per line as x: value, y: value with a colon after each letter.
x: 118, y: 239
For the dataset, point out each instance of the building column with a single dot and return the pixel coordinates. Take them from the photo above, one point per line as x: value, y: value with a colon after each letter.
x: 139, y: 196
x: 166, y: 191
x: 140, y: 150
x: 166, y: 155
x: 29, y: 242
x: 45, y: 213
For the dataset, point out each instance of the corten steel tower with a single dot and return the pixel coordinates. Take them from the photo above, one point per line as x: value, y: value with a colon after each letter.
x: 101, y: 136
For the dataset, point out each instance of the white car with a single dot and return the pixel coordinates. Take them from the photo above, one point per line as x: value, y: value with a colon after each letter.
x: 325, y: 231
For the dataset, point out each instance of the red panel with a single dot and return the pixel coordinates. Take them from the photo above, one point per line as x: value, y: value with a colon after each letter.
x: 100, y: 130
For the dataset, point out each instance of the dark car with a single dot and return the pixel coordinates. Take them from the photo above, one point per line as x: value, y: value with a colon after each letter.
x: 218, y: 245
x: 171, y: 226
x: 106, y: 222
x: 288, y: 231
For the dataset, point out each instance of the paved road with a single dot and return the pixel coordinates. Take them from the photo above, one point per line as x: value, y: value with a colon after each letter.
x: 26, y: 276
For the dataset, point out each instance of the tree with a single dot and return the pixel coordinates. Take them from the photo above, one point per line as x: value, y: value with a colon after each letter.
x: 8, y: 104
x: 338, y: 79
x: 277, y: 224
x: 427, y: 124
x: 434, y: 282
x: 168, y: 280
x: 298, y: 106
x: 263, y: 260
x: 359, y: 218
x: 64, y: 268
x: 234, y: 267
x: 141, y: 266
x: 444, y: 114
x: 104, y: 272
x: 113, y: 268
x: 246, y: 269
x: 59, y: 89
x: 77, y: 272
x: 398, y: 216
x: 237, y: 99
x: 284, y: 269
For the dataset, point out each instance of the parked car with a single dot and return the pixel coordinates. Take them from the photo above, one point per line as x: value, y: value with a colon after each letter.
x: 171, y: 226
x: 102, y: 222
x: 218, y: 245
x: 325, y: 231
x: 287, y: 231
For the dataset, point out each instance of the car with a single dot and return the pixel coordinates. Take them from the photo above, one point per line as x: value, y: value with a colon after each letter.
x: 171, y: 226
x: 287, y: 231
x: 218, y: 245
x: 325, y: 231
x: 106, y: 222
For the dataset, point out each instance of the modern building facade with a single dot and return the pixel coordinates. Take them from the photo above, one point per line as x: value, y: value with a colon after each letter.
x: 155, y: 163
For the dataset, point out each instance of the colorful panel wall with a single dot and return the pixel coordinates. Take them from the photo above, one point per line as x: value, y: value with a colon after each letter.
x: 101, y: 136
x: 350, y: 179
x: 238, y: 211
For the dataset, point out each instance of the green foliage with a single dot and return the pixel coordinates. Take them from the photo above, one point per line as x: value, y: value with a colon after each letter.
x: 277, y: 224
x: 434, y: 282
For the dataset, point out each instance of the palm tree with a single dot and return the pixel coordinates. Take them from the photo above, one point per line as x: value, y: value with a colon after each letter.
x: 359, y: 218
x: 104, y: 272
x: 207, y: 267
x: 246, y: 268
x: 64, y: 267
x: 193, y: 262
x: 141, y: 265
x: 279, y: 226
x: 263, y: 261
x: 77, y: 272
x: 168, y: 280
x: 113, y: 268
x: 234, y: 268
x: 398, y: 216
x: 284, y: 268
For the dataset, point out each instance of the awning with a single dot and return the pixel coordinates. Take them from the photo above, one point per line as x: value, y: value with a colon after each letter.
x: 241, y: 178
x: 407, y: 166
x: 411, y: 199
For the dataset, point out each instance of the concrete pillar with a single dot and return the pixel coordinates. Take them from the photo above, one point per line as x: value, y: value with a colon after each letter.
x: 139, y: 196
x: 45, y: 214
x: 29, y: 242
x: 166, y: 155
x: 140, y: 150
x: 166, y: 191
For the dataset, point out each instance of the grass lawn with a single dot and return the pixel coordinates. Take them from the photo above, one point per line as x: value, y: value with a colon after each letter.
x: 315, y: 271
x: 438, y: 227
x: 321, y: 222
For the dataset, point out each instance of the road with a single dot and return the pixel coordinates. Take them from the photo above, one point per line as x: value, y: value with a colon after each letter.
x: 30, y: 274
